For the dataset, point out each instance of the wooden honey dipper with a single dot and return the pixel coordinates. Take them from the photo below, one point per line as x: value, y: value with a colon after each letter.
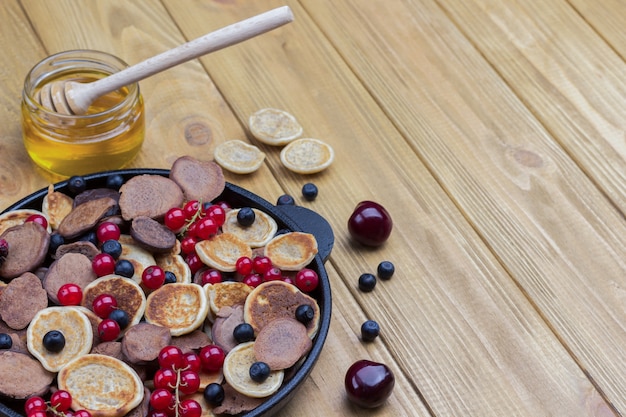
x: 74, y: 98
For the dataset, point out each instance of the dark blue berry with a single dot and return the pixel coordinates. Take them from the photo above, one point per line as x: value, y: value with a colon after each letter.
x: 124, y: 268
x: 243, y: 333
x: 76, y: 184
x: 367, y: 282
x: 305, y: 313
x: 285, y: 200
x: 56, y: 240
x: 369, y: 330
x: 5, y: 341
x: 245, y: 216
x: 89, y: 237
x: 115, y: 181
x: 385, y: 270
x: 121, y: 317
x: 309, y: 191
x: 54, y: 341
x: 214, y: 394
x: 112, y: 247
x: 170, y: 277
x: 259, y: 371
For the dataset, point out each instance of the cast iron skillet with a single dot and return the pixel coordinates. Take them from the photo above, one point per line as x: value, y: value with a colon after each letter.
x: 295, y: 218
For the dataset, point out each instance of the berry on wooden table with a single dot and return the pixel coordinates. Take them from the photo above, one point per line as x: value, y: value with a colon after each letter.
x: 369, y: 330
x: 367, y: 282
x: 309, y: 191
x: 385, y: 270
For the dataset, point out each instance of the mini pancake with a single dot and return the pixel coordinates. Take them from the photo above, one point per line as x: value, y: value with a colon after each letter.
x: 76, y: 329
x: 277, y: 299
x: 175, y: 264
x: 274, y: 127
x: 222, y: 251
x: 28, y: 247
x: 238, y: 156
x: 200, y: 180
x: 291, y: 251
x: 282, y: 343
x: 21, y: 300
x: 180, y: 307
x: 17, y: 217
x: 237, y: 373
x: 135, y: 254
x: 22, y: 376
x: 226, y: 294
x: 128, y: 294
x: 307, y: 156
x: 56, y: 206
x: 257, y: 234
x: 85, y: 217
x: 149, y: 195
x: 102, y: 385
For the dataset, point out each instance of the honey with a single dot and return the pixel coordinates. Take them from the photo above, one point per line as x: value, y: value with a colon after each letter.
x: 107, y: 137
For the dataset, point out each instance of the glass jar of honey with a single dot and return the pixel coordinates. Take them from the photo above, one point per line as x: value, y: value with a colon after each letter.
x: 108, y: 136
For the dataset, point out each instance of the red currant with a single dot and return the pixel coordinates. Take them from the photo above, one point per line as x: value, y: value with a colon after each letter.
x: 175, y: 219
x: 188, y: 245
x: 243, y: 265
x: 190, y: 408
x: 192, y: 362
x: 191, y: 209
x: 82, y: 413
x: 253, y: 280
x: 194, y: 262
x: 70, y: 295
x: 189, y: 382
x: 35, y: 403
x: 273, y: 274
x: 165, y: 378
x: 153, y: 277
x: 217, y: 213
x: 61, y: 400
x: 288, y: 280
x: 39, y: 219
x: 171, y: 357
x: 103, y: 264
x: 212, y: 358
x: 211, y: 276
x: 38, y: 413
x: 206, y: 228
x: 161, y: 399
x: 191, y: 230
x: 103, y: 305
x: 159, y: 413
x: 307, y: 280
x: 108, y: 231
x: 108, y: 330
x: 261, y: 264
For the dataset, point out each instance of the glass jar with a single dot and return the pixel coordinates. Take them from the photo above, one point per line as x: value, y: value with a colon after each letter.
x: 107, y: 137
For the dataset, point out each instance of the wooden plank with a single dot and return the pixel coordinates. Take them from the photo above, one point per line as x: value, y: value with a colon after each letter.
x: 469, y: 341
x: 546, y: 222
x: 607, y: 17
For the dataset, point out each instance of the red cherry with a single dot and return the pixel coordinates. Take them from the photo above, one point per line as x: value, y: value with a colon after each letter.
x: 103, y: 264
x: 307, y: 280
x: 253, y: 280
x: 211, y: 276
x: 189, y: 382
x: 153, y: 277
x: 39, y: 219
x: 261, y: 264
x: 370, y: 224
x: 206, y: 228
x: 108, y: 231
x: 369, y: 384
x: 61, y: 400
x: 35, y: 403
x: 161, y: 399
x: 165, y: 378
x: 190, y: 408
x: 175, y: 219
x: 212, y: 358
x: 103, y: 305
x: 171, y: 357
x: 70, y: 295
x: 217, y: 213
x: 108, y: 330
x: 243, y: 265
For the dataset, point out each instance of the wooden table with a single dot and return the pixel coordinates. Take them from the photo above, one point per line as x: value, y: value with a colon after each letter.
x: 492, y: 130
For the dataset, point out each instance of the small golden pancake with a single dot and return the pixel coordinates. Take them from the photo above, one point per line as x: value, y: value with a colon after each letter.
x: 128, y: 294
x: 226, y: 294
x: 222, y: 251
x: 56, y: 206
x: 291, y: 251
x: 257, y: 234
x: 180, y: 307
x: 277, y: 299
x: 17, y: 217
x: 237, y: 373
x: 72, y: 323
x: 207, y: 378
x: 307, y: 156
x: 175, y: 264
x: 238, y: 156
x: 102, y: 385
x: 135, y: 254
x: 274, y: 127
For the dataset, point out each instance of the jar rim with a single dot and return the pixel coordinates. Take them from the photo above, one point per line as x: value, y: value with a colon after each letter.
x: 105, y: 61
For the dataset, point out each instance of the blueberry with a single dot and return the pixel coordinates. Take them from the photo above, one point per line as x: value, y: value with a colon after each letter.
x: 170, y: 277
x: 214, y: 394
x: 54, y: 341
x: 385, y: 270
x: 112, y: 247
x: 309, y: 191
x: 5, y: 341
x: 56, y: 240
x: 243, y: 333
x: 367, y: 282
x: 305, y: 313
x: 245, y: 216
x: 369, y: 330
x: 124, y: 268
x: 285, y: 200
x: 89, y: 237
x: 114, y: 181
x: 259, y: 371
x: 76, y: 184
x: 121, y: 317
